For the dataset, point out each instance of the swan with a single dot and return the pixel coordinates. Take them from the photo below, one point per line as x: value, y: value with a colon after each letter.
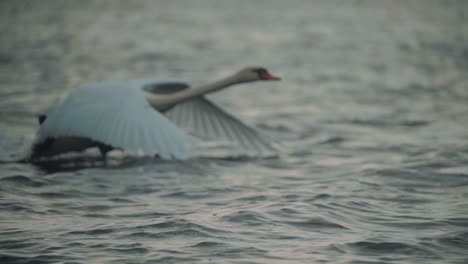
x: 148, y: 117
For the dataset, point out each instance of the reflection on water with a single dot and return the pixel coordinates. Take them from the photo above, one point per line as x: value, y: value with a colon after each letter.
x: 371, y: 116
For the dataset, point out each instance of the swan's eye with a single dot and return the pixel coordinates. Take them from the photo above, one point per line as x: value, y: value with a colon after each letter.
x: 260, y: 71
x: 263, y: 74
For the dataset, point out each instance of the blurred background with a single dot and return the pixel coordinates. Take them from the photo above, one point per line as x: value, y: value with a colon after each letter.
x: 372, y: 116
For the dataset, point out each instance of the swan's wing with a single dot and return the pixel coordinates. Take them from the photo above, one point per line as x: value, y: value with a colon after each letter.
x: 157, y: 88
x: 205, y: 119
x: 118, y: 115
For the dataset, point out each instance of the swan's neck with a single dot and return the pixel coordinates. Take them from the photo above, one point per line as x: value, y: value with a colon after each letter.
x: 204, y: 89
x: 162, y: 102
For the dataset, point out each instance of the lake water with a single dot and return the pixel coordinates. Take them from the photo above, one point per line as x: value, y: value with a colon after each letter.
x: 371, y: 118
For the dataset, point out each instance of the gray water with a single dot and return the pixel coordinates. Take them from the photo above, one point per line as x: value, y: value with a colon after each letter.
x: 371, y: 118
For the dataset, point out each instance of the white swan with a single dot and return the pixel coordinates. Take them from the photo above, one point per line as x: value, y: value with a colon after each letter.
x: 145, y: 117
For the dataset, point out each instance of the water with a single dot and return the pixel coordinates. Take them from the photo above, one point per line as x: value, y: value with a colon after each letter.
x: 371, y: 114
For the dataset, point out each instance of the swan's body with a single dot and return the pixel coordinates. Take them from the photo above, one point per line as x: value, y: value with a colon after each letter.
x: 145, y: 117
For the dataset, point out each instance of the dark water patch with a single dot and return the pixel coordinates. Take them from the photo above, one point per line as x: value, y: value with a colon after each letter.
x: 19, y: 208
x: 357, y: 206
x: 93, y: 232
x: 17, y: 244
x: 56, y: 212
x: 408, y: 200
x: 141, y: 189
x: 39, y: 259
x: 248, y: 218
x: 242, y: 252
x: 253, y: 198
x: 292, y: 197
x: 458, y: 240
x: 385, y: 122
x: 333, y: 141
x: 121, y: 200
x: 286, y: 212
x: 149, y: 56
x: 65, y: 194
x: 428, y: 164
x: 399, y: 173
x: 315, y: 224
x: 99, y: 245
x: 171, y: 259
x: 95, y: 208
x: 142, y: 215
x: 457, y: 221
x: 319, y: 197
x: 6, y: 58
x: 455, y: 54
x: 176, y: 233
x: 130, y: 249
x: 167, y: 224
x: 418, y: 88
x: 97, y: 215
x: 210, y: 245
x: 390, y: 222
x: 20, y: 259
x: 177, y: 227
x: 412, y: 178
x: 187, y: 195
x: 22, y: 180
x: 391, y: 248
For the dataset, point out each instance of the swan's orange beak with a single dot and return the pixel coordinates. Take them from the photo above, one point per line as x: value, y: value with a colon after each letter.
x: 268, y: 77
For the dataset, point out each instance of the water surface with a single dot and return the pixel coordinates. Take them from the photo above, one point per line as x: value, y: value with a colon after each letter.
x: 371, y: 114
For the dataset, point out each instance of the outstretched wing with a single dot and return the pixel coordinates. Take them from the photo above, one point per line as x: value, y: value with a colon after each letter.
x: 205, y: 119
x: 116, y: 114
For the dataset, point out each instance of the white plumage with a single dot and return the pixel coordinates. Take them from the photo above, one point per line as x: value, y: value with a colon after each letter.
x: 146, y: 117
x: 116, y: 114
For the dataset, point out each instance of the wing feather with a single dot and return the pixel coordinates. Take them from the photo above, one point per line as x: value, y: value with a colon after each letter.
x: 205, y: 119
x: 116, y: 114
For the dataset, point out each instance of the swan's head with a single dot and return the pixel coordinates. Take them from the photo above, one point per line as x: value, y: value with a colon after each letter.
x: 251, y: 74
